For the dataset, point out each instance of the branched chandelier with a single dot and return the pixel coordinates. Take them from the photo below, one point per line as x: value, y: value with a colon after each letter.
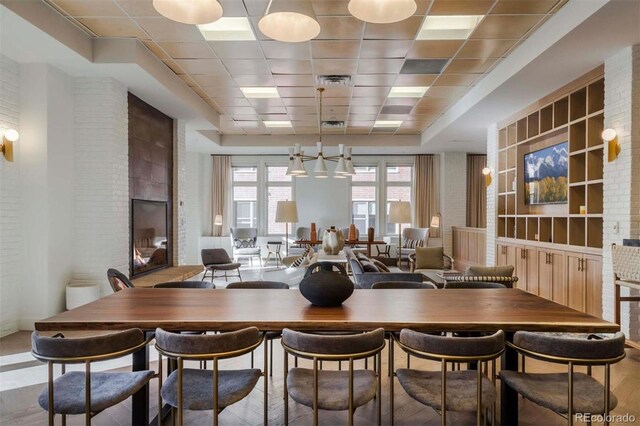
x: 344, y: 166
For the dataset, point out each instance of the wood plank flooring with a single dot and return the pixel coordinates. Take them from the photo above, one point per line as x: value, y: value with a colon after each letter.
x: 19, y: 406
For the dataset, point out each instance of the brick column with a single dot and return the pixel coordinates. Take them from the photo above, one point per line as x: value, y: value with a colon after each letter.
x: 179, y: 192
x: 492, y: 193
x: 453, y: 194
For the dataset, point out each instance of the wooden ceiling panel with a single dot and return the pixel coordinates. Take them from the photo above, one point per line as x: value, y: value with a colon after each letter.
x: 448, y: 92
x: 382, y: 49
x: 380, y: 66
x: 262, y: 103
x: 335, y: 66
x: 247, y: 66
x: 252, y: 80
x: 337, y: 92
x: 232, y: 102
x: 297, y: 92
x: 363, y: 116
x: 294, y: 80
x: 188, y: 50
x: 290, y: 66
x: 340, y: 28
x: 299, y: 112
x: 460, y: 7
x: 94, y: 8
x: 427, y: 49
x: 364, y: 110
x: 173, y: 66
x: 188, y: 80
x: 233, y: 8
x: 223, y: 92
x: 299, y: 101
x: 237, y: 49
x: 456, y: 79
x: 335, y: 49
x: 403, y: 30
x: 342, y: 101
x: 137, y: 8
x: 469, y: 66
x: 162, y: 29
x: 415, y: 79
x: 374, y: 79
x: 201, y: 66
x: 373, y: 101
x: 523, y: 7
x: 401, y: 101
x: 220, y: 80
x: 279, y: 50
x: 155, y: 49
x: 485, y: 48
x: 330, y: 7
x: 370, y: 92
x: 114, y: 27
x: 505, y: 26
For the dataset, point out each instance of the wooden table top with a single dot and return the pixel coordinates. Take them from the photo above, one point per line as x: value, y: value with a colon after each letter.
x: 203, y: 309
x: 350, y: 242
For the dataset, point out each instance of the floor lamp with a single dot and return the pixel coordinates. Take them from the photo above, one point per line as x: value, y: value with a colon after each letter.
x: 286, y: 212
x: 400, y: 212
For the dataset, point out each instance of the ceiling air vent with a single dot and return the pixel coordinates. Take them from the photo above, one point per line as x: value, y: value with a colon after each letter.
x: 333, y: 124
x: 333, y: 80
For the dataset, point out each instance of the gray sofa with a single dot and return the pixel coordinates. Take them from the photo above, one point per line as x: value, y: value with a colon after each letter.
x: 365, y: 279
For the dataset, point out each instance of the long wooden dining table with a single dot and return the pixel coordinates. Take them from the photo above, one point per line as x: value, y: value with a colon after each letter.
x: 510, y: 310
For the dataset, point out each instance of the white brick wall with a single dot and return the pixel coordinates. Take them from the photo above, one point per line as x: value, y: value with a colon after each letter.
x: 179, y: 192
x: 102, y: 179
x: 10, y: 202
x: 622, y: 177
x: 492, y: 192
x: 193, y: 207
x: 453, y: 193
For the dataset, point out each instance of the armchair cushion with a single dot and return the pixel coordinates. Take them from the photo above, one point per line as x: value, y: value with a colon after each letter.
x: 381, y: 266
x: 368, y: 266
x: 411, y: 244
x: 240, y: 243
x: 429, y: 258
x: 499, y: 271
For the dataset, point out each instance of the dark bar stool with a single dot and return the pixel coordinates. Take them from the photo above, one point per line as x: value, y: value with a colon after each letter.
x: 217, y: 259
x: 472, y: 390
x: 118, y: 280
x: 85, y: 392
x: 332, y: 390
x: 186, y: 284
x: 557, y: 391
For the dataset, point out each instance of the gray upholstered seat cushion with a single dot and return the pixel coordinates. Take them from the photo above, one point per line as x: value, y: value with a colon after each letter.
x: 197, y: 387
x: 223, y: 266
x: 107, y: 389
x: 500, y: 271
x: 571, y: 345
x: 246, y: 251
x: 333, y: 388
x: 551, y: 391
x: 425, y: 386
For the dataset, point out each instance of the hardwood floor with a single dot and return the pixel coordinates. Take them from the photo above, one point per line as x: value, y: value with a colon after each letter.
x: 18, y: 405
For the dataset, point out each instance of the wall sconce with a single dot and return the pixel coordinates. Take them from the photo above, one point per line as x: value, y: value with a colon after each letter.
x: 10, y: 136
x: 217, y: 221
x: 487, y: 176
x: 611, y: 137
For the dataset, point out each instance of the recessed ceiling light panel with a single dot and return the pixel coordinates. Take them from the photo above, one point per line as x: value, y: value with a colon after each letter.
x: 260, y: 92
x: 454, y: 27
x: 228, y: 29
x: 407, y: 91
x: 387, y: 123
x: 277, y: 123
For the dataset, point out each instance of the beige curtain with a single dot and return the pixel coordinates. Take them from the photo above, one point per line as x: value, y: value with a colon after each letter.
x: 426, y: 192
x: 220, y: 188
x: 476, y: 192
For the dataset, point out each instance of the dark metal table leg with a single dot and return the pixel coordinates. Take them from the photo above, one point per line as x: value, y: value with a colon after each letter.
x: 508, y: 396
x: 140, y: 400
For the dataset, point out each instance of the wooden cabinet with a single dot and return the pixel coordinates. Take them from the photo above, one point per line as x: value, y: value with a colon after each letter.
x: 570, y: 278
x: 469, y: 247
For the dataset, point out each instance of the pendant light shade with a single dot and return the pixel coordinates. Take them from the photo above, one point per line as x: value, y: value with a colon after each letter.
x: 290, y: 165
x: 195, y: 12
x: 291, y: 21
x: 382, y: 11
x: 320, y: 169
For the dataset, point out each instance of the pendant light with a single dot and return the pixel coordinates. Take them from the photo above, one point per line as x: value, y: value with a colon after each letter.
x: 290, y: 21
x: 194, y: 12
x: 320, y: 170
x: 382, y: 11
x: 341, y: 167
x: 297, y: 167
x: 290, y: 166
x: 351, y: 171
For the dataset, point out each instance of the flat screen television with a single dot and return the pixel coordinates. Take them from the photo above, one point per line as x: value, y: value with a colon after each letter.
x: 545, y: 175
x: 149, y: 236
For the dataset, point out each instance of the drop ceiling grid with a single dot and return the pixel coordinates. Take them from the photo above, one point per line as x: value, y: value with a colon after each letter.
x: 488, y: 44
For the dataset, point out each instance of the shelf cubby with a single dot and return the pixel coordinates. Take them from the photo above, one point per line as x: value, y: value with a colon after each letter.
x: 546, y: 118
x: 502, y: 183
x: 502, y: 138
x: 521, y: 130
x: 560, y: 230
x: 576, y: 231
x: 511, y: 227
x: 501, y: 227
x: 502, y: 160
x: 511, y: 135
x: 577, y: 136
x: 502, y: 204
x: 511, y: 204
x: 594, y: 232
x: 560, y: 112
x: 595, y: 99
x: 595, y: 126
x: 511, y: 157
x: 532, y: 228
x: 511, y: 178
x: 577, y: 166
x: 578, y: 104
x: 595, y: 164
x: 521, y: 228
x: 533, y: 125
x: 545, y: 228
x: 594, y: 198
x: 577, y: 198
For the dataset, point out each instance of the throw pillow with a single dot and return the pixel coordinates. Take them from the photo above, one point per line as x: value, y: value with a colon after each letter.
x: 367, y: 266
x: 301, y: 259
x: 381, y: 266
x: 238, y: 243
x: 429, y: 258
x: 411, y: 244
x: 500, y: 271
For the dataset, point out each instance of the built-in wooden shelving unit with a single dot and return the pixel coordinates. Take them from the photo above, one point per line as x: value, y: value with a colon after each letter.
x: 576, y: 117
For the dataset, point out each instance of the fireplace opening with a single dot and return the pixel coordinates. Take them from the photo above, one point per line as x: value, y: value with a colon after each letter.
x: 150, y: 236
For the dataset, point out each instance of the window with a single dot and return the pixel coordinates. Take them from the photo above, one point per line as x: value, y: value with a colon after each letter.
x: 363, y: 198
x: 399, y: 186
x: 278, y: 189
x: 245, y: 197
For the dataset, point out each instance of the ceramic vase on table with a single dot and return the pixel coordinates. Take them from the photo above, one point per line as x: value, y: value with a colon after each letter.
x: 370, y: 234
x: 353, y: 235
x: 324, y: 287
x: 332, y: 241
x: 313, y: 234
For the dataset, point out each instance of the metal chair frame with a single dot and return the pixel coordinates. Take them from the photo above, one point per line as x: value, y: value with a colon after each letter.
x: 317, y: 359
x: 225, y: 276
x: 571, y: 363
x: 215, y: 357
x: 87, y: 360
x: 444, y: 359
